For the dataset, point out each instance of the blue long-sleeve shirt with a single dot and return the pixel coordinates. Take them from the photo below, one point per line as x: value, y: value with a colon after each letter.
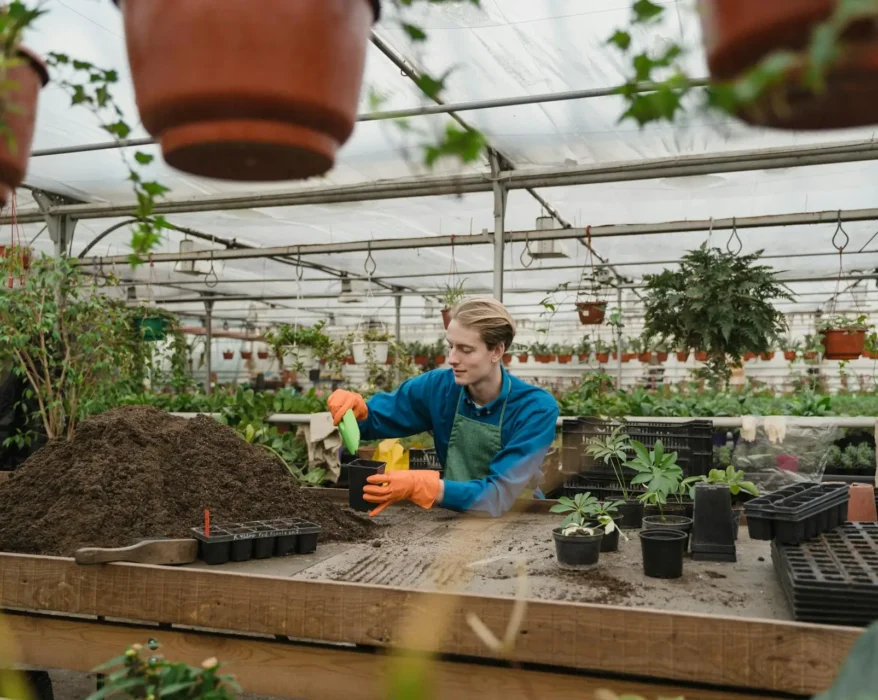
x: 429, y: 402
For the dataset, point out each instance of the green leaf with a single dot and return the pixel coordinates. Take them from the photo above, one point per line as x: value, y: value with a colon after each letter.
x: 620, y: 39
x: 646, y: 11
x: 414, y: 32
x: 144, y: 158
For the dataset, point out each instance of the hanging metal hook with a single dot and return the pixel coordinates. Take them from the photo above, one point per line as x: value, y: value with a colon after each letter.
x: 370, y: 266
x: 734, y: 237
x: 100, y: 280
x: 210, y: 284
x: 526, y: 250
x: 840, y: 229
x: 300, y: 269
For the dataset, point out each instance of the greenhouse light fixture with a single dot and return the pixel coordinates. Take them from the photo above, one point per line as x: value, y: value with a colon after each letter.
x: 547, y: 250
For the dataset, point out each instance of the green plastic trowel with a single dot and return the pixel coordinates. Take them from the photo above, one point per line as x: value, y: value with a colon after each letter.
x: 350, y: 432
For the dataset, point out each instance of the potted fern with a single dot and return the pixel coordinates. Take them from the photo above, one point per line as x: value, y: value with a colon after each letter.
x: 454, y: 294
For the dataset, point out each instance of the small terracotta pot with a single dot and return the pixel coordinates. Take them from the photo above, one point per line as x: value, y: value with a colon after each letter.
x: 861, y: 507
x: 789, y: 355
x: 662, y: 356
x: 25, y: 82
x: 446, y: 317
x: 645, y: 356
x: 244, y: 94
x: 810, y: 355
x: 542, y: 359
x: 591, y: 312
x: 439, y: 359
x: 840, y: 344
x: 682, y: 356
x: 602, y: 357
x: 420, y: 359
x: 228, y: 354
x: 522, y: 358
x: 507, y: 358
x: 349, y: 360
x: 749, y: 356
x: 766, y: 356
x: 262, y: 354
x: 550, y: 358
x: 701, y: 356
x: 564, y: 359
x: 628, y: 356
x: 246, y: 355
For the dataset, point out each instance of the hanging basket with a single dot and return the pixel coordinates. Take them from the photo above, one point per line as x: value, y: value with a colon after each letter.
x: 446, y: 317
x: 246, y: 354
x: 766, y: 356
x: 243, y: 94
x: 591, y: 313
x: 740, y: 33
x: 364, y: 351
x: 262, y: 354
x: 843, y: 343
x: 152, y: 328
x: 701, y: 356
x: 228, y: 354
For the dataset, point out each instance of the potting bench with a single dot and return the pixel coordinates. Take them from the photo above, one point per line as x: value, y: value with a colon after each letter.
x: 299, y: 633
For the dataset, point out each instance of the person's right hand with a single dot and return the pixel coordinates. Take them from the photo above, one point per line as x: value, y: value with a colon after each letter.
x: 341, y: 401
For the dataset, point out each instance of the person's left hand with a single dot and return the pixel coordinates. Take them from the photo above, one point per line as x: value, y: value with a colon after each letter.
x: 420, y: 486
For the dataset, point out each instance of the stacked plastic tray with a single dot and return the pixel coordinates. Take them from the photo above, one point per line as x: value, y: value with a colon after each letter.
x: 797, y: 513
x: 424, y: 459
x: 259, y: 539
x: 832, y: 579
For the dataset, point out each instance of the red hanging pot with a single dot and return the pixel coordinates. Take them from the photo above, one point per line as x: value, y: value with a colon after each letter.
x: 789, y: 355
x: 701, y: 356
x: 662, y: 356
x: 842, y: 344
x: 602, y: 357
x: 523, y: 357
x: 739, y: 33
x: 246, y: 355
x: 244, y: 93
x: 228, y: 354
x: 564, y: 359
x: 591, y: 312
x: 446, y: 317
x: 262, y: 354
x: 645, y: 356
x: 682, y: 356
x: 23, y: 91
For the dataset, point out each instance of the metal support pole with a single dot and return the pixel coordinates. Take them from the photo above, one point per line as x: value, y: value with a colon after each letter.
x: 208, y: 320
x: 397, y: 331
x: 61, y: 226
x: 619, y: 342
x: 500, y: 193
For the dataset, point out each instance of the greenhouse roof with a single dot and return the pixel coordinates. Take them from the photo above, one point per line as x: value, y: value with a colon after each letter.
x: 505, y: 49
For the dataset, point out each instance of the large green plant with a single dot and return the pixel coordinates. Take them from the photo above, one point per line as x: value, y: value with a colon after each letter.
x: 718, y: 302
x: 658, y: 470
x: 70, y: 342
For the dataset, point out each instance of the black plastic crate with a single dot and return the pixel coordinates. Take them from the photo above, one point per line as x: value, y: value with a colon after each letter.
x: 832, y: 579
x: 257, y: 539
x: 798, y: 512
x: 424, y: 459
x: 602, y: 489
x: 692, y: 441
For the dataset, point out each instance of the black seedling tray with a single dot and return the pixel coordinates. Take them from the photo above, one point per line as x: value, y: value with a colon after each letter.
x: 258, y: 539
x: 798, y: 512
x: 832, y: 579
x: 424, y: 459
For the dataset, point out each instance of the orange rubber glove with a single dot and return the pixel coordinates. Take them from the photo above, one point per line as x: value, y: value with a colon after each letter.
x: 341, y: 401
x: 420, y: 486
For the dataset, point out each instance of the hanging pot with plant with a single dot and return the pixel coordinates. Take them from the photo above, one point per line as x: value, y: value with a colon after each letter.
x: 453, y: 295
x: 262, y: 354
x: 228, y: 354
x: 152, y: 328
x: 371, y: 345
x: 564, y: 353
x: 591, y: 313
x: 843, y: 337
x: 766, y: 356
x: 246, y: 355
x: 248, y: 95
x: 748, y: 356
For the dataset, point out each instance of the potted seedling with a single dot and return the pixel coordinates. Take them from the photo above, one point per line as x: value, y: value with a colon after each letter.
x: 542, y: 353
x: 661, y: 351
x: 605, y: 515
x: 682, y: 354
x: 563, y: 352
x: 843, y: 337
x: 454, y: 294
x: 583, y: 348
x: 701, y: 356
x: 767, y: 355
x: 659, y: 472
x: 734, y: 479
x: 791, y: 350
x: 612, y: 450
x: 522, y: 352
x: 601, y: 351
x: 639, y: 348
x: 576, y: 544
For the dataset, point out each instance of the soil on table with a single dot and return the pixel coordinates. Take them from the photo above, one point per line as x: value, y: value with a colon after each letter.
x: 137, y: 472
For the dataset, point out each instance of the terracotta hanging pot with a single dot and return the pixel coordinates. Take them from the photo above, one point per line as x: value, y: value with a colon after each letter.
x: 841, y: 344
x: 564, y: 359
x: 262, y: 354
x: 701, y: 356
x: 446, y: 317
x: 602, y: 357
x: 248, y: 93
x: 766, y: 356
x: 662, y: 356
x: 682, y: 356
x: 246, y: 355
x: 739, y: 33
x: 228, y: 354
x: 522, y: 358
x: 25, y: 81
x: 789, y: 355
x: 591, y: 312
x: 645, y: 356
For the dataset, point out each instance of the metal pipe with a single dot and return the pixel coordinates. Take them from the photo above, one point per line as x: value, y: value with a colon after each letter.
x: 208, y: 310
x: 733, y: 161
x: 397, y: 332
x: 499, y: 225
x: 619, y: 342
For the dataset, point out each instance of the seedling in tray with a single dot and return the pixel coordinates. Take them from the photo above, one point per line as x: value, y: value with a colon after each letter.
x: 259, y: 539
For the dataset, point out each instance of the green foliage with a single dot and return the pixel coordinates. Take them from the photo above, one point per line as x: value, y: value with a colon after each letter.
x: 833, y: 458
x: 579, y: 509
x: 133, y: 676
x: 612, y: 450
x: 286, y: 340
x: 656, y: 469
x: 454, y: 293
x: 735, y: 479
x: 845, y: 323
x: 718, y: 302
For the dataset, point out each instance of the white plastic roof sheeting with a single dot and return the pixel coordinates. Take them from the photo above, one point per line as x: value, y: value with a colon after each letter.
x: 505, y: 48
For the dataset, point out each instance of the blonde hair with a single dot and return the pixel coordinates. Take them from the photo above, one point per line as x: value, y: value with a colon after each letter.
x: 489, y: 317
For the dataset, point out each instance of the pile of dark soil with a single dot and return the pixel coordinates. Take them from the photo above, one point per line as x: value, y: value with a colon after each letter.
x: 138, y: 472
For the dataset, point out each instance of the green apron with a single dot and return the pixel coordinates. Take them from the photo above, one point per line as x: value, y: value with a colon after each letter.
x: 472, y: 446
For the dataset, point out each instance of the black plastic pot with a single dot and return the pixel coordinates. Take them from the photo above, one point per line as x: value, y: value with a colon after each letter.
x: 713, y: 532
x: 578, y: 551
x: 631, y: 514
x: 609, y: 543
x: 679, y: 523
x: 662, y: 552
x: 684, y: 509
x: 358, y: 471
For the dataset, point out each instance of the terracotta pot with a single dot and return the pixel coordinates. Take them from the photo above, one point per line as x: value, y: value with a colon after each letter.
x: 542, y: 359
x: 602, y: 357
x: 840, y: 344
x: 591, y: 312
x: 766, y: 356
x: 872, y: 355
x: 701, y: 356
x: 661, y: 356
x: 645, y: 356
x: 861, y: 507
x: 789, y: 355
x: 439, y: 359
x: 507, y: 359
x: 523, y: 357
x: 749, y: 356
x: 739, y: 33
x: 583, y: 357
x: 446, y: 317
x: 810, y: 355
x: 389, y: 360
x: 682, y: 356
x: 249, y: 95
x: 228, y: 354
x: 349, y: 360
x: 25, y: 82
x: 246, y: 355
x: 564, y: 359
x: 420, y: 359
x: 628, y: 356
x: 550, y: 358
x: 262, y: 354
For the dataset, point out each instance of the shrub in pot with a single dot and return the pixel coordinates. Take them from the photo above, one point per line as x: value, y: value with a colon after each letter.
x: 612, y: 450
x: 591, y: 313
x: 299, y: 343
x: 564, y: 353
x: 454, y: 294
x: 576, y: 544
x: 843, y: 337
x: 583, y: 349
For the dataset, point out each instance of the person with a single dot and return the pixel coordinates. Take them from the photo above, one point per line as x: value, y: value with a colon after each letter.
x: 491, y: 430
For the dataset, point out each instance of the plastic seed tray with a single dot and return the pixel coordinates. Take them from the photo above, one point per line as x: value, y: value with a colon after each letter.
x: 424, y: 459
x: 832, y: 579
x: 797, y: 513
x: 258, y: 539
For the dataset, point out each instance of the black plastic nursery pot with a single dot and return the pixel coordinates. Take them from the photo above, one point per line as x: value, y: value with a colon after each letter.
x: 662, y: 552
x: 687, y: 508
x: 630, y: 514
x: 259, y: 539
x: 577, y: 551
x: 358, y: 471
x: 713, y: 529
x: 609, y: 543
x: 678, y: 523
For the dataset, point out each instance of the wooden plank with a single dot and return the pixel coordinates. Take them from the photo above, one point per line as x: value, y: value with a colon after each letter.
x: 726, y: 651
x: 306, y: 672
